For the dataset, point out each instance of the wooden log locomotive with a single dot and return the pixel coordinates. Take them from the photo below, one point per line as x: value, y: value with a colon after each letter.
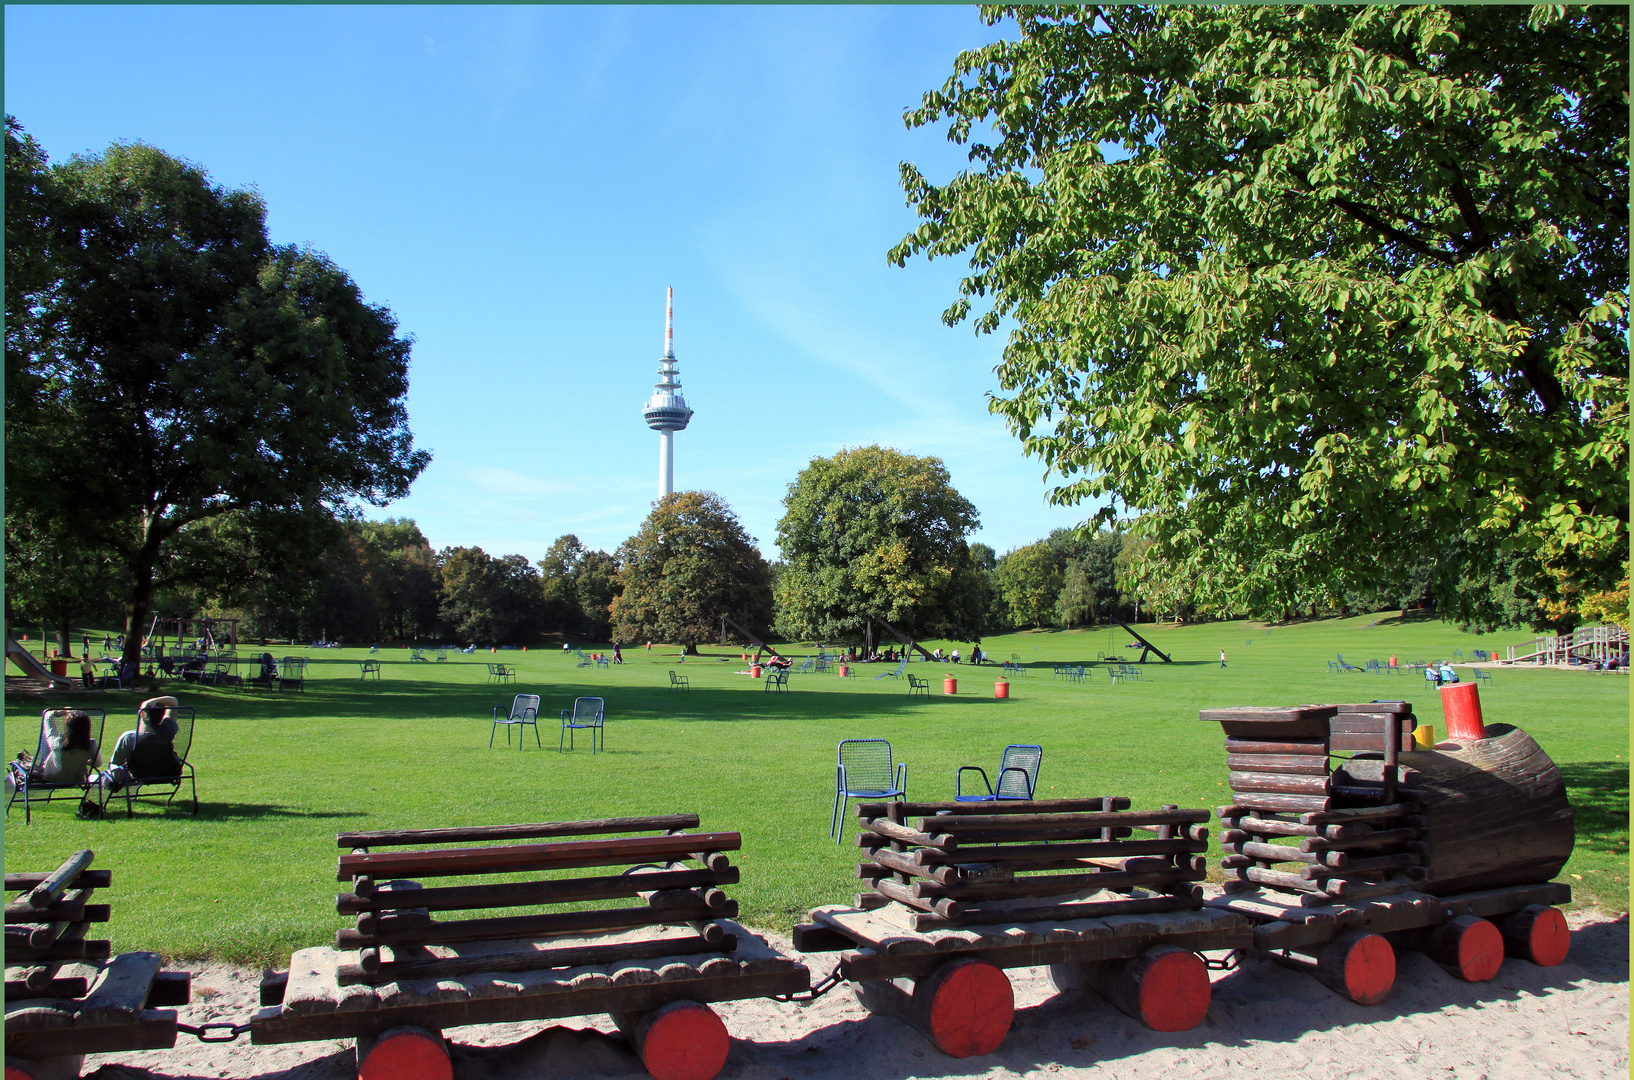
x: 66, y: 994
x: 1103, y: 895
x: 400, y: 975
x: 1340, y: 861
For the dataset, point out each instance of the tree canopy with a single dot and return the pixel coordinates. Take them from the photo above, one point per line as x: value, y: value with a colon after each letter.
x: 690, y: 563
x: 166, y: 363
x: 1311, y: 292
x: 875, y: 531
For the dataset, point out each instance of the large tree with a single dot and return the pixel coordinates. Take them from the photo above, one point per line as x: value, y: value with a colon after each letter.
x: 580, y: 584
x: 170, y: 364
x: 874, y: 531
x: 690, y: 563
x: 488, y: 600
x: 1312, y: 290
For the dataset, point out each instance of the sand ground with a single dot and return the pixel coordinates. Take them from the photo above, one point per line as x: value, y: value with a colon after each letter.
x: 1566, y: 1021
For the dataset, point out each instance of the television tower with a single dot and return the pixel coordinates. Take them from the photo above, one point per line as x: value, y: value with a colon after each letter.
x: 666, y: 411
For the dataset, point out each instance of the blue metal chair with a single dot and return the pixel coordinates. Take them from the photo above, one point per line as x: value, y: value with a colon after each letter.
x: 1483, y: 675
x: 586, y: 714
x: 1018, y: 776
x: 916, y: 685
x: 524, y: 712
x: 865, y: 773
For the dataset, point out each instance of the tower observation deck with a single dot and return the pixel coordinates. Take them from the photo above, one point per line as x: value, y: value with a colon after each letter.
x: 666, y: 411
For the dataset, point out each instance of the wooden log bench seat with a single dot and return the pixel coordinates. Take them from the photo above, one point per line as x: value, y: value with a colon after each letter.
x: 1342, y: 861
x: 66, y: 994
x: 1103, y: 895
x: 406, y: 970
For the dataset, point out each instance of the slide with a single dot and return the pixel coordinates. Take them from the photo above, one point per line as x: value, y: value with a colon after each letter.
x: 32, y: 667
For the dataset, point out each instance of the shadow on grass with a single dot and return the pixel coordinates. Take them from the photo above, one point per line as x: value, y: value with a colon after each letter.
x: 1599, y: 795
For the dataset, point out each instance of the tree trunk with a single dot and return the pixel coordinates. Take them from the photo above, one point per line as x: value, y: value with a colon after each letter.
x: 137, y: 609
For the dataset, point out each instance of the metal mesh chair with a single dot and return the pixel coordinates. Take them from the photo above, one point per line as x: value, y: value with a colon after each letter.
x: 292, y: 673
x: 159, y: 761
x: 865, y: 773
x: 524, y: 712
x: 31, y: 784
x: 1018, y: 776
x: 586, y: 714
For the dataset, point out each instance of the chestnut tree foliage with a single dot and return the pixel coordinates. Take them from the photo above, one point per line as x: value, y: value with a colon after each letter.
x: 1310, y: 292
x: 167, y: 364
x: 690, y: 563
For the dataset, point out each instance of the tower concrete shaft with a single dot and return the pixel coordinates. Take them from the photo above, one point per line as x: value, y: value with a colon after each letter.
x: 666, y: 411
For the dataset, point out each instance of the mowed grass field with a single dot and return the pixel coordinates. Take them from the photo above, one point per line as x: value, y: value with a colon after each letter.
x: 252, y: 877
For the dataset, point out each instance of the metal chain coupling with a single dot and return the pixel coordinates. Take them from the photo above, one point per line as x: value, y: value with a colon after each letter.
x: 225, y: 1032
x: 802, y: 997
x: 1231, y: 962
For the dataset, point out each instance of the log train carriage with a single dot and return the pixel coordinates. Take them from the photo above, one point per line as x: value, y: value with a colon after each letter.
x: 1345, y: 841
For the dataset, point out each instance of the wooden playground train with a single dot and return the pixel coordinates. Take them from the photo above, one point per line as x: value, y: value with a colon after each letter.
x: 1345, y: 841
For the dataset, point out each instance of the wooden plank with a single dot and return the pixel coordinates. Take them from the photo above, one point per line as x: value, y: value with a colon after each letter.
x: 469, y: 834
x: 78, y: 949
x: 1355, y: 743
x: 75, y: 987
x: 1379, y: 838
x: 960, y: 826
x: 1286, y: 803
x: 565, y: 854
x: 1367, y: 723
x: 1399, y: 708
x: 532, y: 959
x: 1357, y: 867
x: 869, y: 929
x: 1272, y: 827
x: 1018, y: 856
x: 71, y: 908
x: 1271, y: 716
x: 1279, y: 783
x: 1486, y: 903
x: 866, y: 810
x: 902, y: 834
x: 522, y: 926
x: 1359, y: 813
x: 152, y: 1029
x: 544, y: 1002
x: 1225, y: 931
x: 312, y: 987
x: 1272, y: 852
x: 1301, y: 746
x: 1087, y: 909
x: 88, y: 879
x: 1297, y: 764
x: 121, y: 992
x: 40, y: 1014
x: 512, y: 894
x: 1041, y: 885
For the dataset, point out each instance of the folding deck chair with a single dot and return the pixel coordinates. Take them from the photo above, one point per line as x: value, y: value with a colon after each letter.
x: 160, y: 763
x: 34, y: 788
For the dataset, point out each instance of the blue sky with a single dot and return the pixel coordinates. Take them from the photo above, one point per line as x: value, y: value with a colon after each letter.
x: 520, y: 184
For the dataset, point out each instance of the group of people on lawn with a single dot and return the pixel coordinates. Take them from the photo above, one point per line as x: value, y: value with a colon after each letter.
x: 72, y: 756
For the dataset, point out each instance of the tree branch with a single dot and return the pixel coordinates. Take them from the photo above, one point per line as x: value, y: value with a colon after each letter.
x: 1367, y: 216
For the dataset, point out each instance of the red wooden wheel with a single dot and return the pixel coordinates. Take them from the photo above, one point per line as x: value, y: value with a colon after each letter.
x: 1173, y: 992
x: 1538, y: 933
x: 683, y: 1040
x: 407, y: 1054
x: 15, y: 1073
x: 1359, y: 965
x: 1468, y: 947
x: 968, y: 1008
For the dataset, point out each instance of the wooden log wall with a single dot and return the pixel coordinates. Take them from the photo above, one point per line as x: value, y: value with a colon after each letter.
x: 400, y: 931
x: 972, y: 864
x: 47, y: 924
x: 1304, y: 821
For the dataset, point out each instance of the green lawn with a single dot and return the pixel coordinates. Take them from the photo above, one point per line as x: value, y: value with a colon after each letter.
x: 252, y: 877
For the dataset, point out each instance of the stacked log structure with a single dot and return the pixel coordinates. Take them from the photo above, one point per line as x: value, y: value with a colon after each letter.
x: 1297, y: 824
x: 947, y: 865
x: 67, y: 995
x: 397, y: 934
x: 422, y: 958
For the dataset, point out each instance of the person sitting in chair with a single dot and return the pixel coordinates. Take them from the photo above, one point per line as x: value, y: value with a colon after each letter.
x: 68, y: 756
x: 148, y: 751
